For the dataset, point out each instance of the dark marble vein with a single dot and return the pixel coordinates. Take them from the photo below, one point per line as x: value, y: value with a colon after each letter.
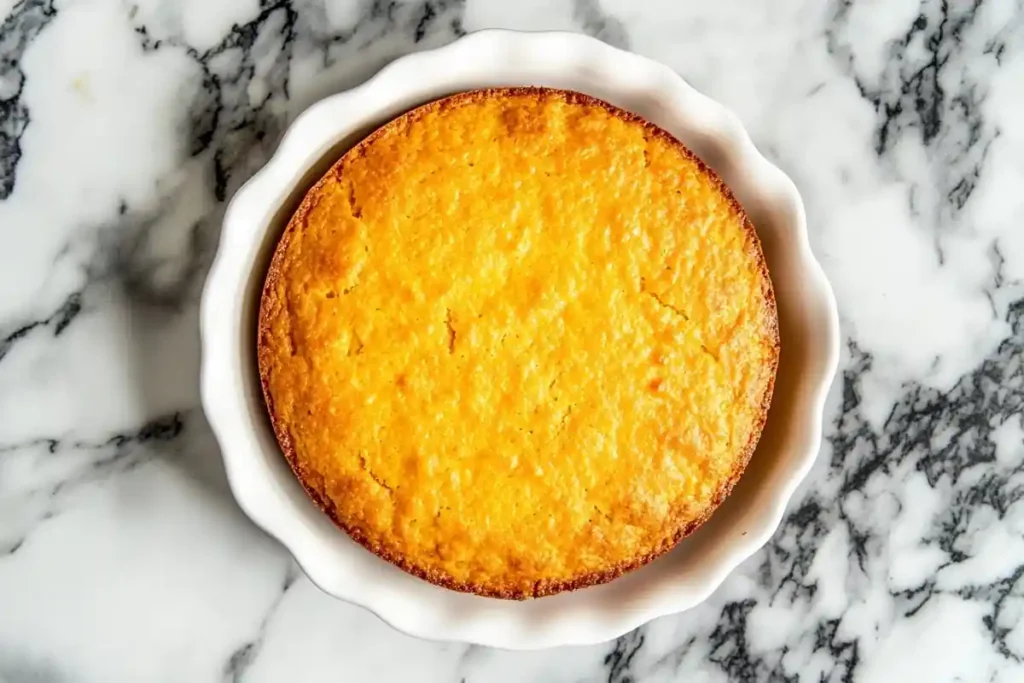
x: 945, y: 436
x: 222, y: 118
x: 245, y: 655
x: 99, y: 459
x: 620, y: 660
x: 730, y: 651
x: 164, y: 428
x: 931, y: 92
x: 19, y: 29
x: 430, y: 13
x: 1002, y: 620
x: 378, y: 22
x: 57, y: 322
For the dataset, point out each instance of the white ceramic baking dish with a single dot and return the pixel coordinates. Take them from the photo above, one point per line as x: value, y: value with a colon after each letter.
x: 261, y: 479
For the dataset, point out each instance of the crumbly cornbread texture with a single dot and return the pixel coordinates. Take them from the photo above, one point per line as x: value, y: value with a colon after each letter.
x: 518, y: 341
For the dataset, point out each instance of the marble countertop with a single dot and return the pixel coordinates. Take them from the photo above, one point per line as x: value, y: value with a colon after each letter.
x: 125, y: 125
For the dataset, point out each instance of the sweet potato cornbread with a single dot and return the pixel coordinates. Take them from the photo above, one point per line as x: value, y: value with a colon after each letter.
x: 518, y: 341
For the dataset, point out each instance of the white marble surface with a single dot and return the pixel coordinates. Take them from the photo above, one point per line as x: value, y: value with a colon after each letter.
x: 123, y: 127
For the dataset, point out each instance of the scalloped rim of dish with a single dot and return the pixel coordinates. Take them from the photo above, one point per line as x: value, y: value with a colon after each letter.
x: 268, y: 492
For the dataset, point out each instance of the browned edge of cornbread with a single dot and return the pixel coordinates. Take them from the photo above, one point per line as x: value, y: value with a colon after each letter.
x: 540, y: 588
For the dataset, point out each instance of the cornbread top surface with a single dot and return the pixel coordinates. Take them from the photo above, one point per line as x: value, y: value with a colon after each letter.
x: 518, y: 341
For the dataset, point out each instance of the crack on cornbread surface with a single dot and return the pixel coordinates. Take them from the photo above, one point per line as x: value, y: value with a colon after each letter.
x: 452, y: 334
x: 376, y: 479
x: 510, y: 372
x: 661, y: 302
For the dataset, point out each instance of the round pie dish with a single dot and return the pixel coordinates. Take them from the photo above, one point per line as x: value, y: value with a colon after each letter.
x: 261, y: 478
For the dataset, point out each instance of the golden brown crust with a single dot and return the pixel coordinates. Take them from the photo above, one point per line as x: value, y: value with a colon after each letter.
x: 542, y: 587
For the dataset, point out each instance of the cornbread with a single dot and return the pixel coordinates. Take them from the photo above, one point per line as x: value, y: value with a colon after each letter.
x: 518, y: 341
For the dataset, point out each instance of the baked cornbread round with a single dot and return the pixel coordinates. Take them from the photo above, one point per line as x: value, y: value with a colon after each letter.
x: 518, y: 341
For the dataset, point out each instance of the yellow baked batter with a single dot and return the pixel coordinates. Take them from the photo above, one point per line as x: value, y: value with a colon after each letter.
x: 518, y: 341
